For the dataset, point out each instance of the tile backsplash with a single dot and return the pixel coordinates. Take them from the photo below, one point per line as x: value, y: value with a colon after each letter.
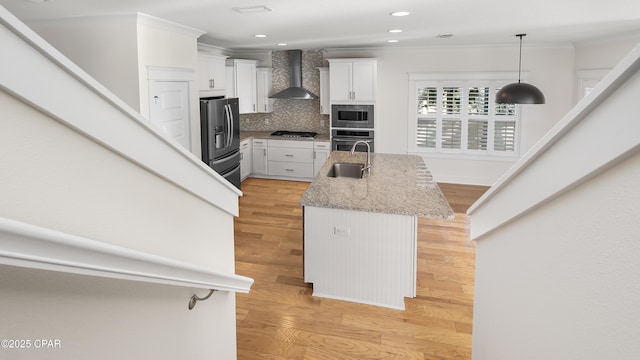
x: 291, y: 114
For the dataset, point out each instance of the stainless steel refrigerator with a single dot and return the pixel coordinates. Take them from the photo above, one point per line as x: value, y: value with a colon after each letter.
x: 220, y: 135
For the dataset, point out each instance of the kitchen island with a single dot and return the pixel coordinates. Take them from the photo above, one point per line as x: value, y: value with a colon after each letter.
x: 360, y: 235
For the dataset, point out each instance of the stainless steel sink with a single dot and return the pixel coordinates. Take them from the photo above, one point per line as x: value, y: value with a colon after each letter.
x: 346, y: 170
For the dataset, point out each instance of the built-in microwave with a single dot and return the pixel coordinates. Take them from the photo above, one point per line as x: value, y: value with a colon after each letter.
x: 352, y: 116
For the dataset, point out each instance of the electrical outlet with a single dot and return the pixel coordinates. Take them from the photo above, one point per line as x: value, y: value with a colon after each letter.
x: 266, y: 121
x: 341, y: 231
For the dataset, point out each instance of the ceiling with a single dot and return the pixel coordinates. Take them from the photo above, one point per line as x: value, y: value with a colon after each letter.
x: 319, y: 24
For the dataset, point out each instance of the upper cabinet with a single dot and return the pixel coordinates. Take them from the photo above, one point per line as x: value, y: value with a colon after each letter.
x: 264, y: 88
x: 212, y: 79
x: 353, y: 80
x: 325, y: 107
x: 243, y: 75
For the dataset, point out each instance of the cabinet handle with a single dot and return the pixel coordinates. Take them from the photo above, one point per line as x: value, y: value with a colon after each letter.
x: 314, y: 155
x: 264, y: 152
x: 241, y: 156
x: 254, y: 107
x: 212, y: 83
x: 288, y: 155
x: 290, y: 170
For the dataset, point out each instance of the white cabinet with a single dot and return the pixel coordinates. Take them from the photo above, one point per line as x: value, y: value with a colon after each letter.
x: 231, y: 87
x: 321, y: 151
x: 264, y: 87
x: 244, y: 84
x: 259, y: 157
x: 246, y: 157
x: 283, y: 159
x: 289, y: 158
x: 353, y: 80
x: 212, y: 78
x: 325, y: 107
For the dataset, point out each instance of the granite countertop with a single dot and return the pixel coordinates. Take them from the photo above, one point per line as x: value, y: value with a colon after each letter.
x: 397, y: 184
x: 267, y: 135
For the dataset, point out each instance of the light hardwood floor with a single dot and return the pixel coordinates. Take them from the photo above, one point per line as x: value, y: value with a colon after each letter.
x: 279, y: 319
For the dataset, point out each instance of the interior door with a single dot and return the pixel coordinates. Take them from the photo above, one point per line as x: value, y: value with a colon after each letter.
x: 169, y: 109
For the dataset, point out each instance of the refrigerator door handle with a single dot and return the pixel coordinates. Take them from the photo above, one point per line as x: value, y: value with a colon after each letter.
x: 231, y: 138
x: 211, y: 129
x: 226, y: 126
x: 227, y: 110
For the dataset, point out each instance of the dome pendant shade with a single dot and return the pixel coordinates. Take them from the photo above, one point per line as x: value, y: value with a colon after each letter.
x: 520, y: 93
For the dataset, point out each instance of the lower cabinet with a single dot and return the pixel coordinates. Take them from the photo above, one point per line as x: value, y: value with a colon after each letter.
x: 246, y: 156
x: 259, y: 158
x: 290, y: 158
x: 287, y: 159
x: 321, y: 151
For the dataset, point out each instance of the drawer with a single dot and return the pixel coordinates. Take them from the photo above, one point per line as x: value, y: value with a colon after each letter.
x: 325, y: 145
x: 291, y: 144
x: 290, y: 155
x: 260, y: 142
x: 279, y: 168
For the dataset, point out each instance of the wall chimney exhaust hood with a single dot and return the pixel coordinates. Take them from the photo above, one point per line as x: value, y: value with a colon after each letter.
x: 295, y: 90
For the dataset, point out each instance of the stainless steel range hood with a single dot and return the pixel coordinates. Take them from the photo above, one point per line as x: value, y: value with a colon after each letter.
x: 295, y: 90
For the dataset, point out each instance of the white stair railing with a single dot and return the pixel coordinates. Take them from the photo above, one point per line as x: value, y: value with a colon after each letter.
x: 34, y: 247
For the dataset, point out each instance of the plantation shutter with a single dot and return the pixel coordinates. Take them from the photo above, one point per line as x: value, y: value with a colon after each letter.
x: 504, y: 134
x: 478, y: 118
x: 460, y: 117
x: 426, y: 132
x: 451, y: 134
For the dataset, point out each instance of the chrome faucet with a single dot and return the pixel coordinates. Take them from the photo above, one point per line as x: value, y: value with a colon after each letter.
x: 353, y: 149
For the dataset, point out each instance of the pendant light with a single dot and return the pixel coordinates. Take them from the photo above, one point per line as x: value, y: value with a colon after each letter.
x: 520, y: 93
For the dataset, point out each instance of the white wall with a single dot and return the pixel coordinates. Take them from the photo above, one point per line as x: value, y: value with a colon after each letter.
x: 564, y: 281
x: 104, y: 47
x: 604, y: 54
x: 105, y: 319
x: 56, y: 178
x: 549, y: 68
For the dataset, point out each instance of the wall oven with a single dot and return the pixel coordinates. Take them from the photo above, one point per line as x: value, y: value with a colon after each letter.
x: 352, y: 116
x: 343, y: 139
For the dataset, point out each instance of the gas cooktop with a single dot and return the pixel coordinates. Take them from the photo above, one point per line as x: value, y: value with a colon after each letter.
x: 294, y: 134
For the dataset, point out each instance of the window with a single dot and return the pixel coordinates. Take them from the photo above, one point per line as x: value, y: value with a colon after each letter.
x: 461, y: 117
x: 588, y: 79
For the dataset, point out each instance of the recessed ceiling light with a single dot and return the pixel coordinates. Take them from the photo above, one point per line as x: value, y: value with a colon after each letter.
x: 395, y: 31
x: 400, y: 13
x: 252, y: 9
x: 260, y: 35
x: 392, y: 41
x: 282, y: 44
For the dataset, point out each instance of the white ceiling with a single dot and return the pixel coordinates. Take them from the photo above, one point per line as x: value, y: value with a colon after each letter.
x: 307, y: 24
